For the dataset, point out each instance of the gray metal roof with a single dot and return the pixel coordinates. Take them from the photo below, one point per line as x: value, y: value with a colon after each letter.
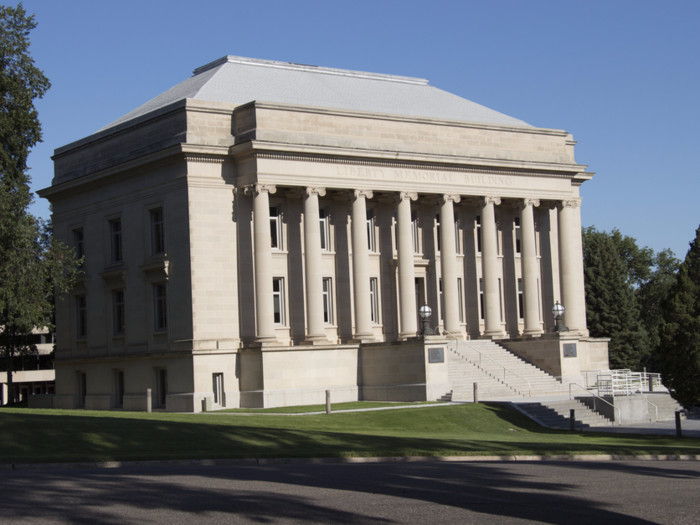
x: 239, y: 80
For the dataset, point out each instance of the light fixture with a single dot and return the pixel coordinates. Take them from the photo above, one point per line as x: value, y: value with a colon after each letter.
x: 425, y: 312
x: 558, y: 312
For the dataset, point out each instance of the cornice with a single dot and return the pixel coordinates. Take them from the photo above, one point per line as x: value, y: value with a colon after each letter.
x: 176, y: 153
x: 384, y: 159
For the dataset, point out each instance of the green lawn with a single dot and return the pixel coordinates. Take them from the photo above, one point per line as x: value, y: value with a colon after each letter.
x: 60, y: 436
x: 336, y: 407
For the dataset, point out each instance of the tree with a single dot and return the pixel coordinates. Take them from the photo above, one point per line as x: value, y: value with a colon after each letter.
x: 650, y: 296
x: 32, y: 264
x: 613, y: 265
x: 679, y: 331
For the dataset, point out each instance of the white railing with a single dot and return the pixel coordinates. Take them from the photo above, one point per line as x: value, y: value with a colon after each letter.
x: 596, y: 398
x: 482, y: 356
x: 621, y: 382
x: 655, y: 408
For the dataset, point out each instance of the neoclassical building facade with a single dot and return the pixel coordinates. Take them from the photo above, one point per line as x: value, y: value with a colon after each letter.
x: 266, y: 231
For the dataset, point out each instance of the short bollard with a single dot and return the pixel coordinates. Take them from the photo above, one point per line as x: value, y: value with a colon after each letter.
x: 679, y: 429
x: 572, y: 419
x: 476, y: 392
x: 149, y: 402
x: 328, y: 401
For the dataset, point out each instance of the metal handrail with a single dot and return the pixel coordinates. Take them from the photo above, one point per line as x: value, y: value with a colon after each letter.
x: 529, y: 386
x: 594, y: 398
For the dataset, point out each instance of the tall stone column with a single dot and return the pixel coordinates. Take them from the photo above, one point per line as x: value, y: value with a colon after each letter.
x: 573, y: 294
x: 528, y: 260
x: 489, y: 267
x: 360, y: 267
x: 448, y: 264
x: 407, y: 274
x: 312, y: 259
x: 264, y: 320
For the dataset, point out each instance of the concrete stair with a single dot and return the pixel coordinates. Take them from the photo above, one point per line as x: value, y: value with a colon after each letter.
x: 666, y: 404
x: 555, y: 414
x: 467, y: 366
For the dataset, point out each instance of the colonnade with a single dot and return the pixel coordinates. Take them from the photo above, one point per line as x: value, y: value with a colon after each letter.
x: 570, y: 265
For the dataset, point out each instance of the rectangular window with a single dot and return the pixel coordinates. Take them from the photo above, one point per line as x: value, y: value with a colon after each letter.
x: 275, y: 228
x: 415, y: 232
x: 521, y: 313
x: 500, y: 297
x: 82, y: 388
x: 437, y: 229
x: 370, y: 232
x: 119, y: 388
x: 278, y: 299
x: 157, y: 232
x: 218, y: 387
x: 374, y: 299
x: 327, y: 301
x: 118, y: 312
x: 160, y: 307
x: 79, y: 244
x: 457, y: 246
x: 478, y: 235
x: 481, y: 298
x: 516, y: 226
x: 81, y: 317
x: 115, y: 232
x: 460, y: 298
x: 323, y: 226
x: 442, y: 302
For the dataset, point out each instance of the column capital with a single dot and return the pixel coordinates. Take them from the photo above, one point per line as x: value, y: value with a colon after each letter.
x: 367, y: 194
x: 489, y: 199
x: 403, y: 195
x: 258, y: 188
x: 313, y: 190
x: 524, y: 203
x: 570, y: 203
x: 451, y: 197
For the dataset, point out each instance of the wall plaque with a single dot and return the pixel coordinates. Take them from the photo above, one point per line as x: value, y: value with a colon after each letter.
x: 570, y: 350
x: 436, y: 355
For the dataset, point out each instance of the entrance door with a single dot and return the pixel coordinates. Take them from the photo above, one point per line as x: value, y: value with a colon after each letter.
x: 162, y: 387
x: 218, y: 380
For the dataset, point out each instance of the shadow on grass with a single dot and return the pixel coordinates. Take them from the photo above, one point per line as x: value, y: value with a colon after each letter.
x: 44, y: 437
x: 367, y: 493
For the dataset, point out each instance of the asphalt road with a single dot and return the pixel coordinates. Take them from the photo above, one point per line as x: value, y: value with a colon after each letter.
x: 635, y: 492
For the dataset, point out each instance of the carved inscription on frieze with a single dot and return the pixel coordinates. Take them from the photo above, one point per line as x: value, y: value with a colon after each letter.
x: 398, y: 174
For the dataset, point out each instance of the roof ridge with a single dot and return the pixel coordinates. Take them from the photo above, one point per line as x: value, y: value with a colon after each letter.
x: 308, y: 68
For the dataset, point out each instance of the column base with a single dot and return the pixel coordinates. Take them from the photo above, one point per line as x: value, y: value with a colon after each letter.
x: 363, y: 338
x: 318, y: 339
x: 405, y: 336
x: 264, y: 342
x: 532, y: 333
x: 494, y: 335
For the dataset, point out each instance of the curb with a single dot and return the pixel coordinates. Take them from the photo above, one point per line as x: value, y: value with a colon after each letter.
x: 351, y: 460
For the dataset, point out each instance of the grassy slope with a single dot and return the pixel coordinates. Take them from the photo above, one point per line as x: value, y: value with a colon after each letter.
x: 337, y: 407
x: 57, y: 436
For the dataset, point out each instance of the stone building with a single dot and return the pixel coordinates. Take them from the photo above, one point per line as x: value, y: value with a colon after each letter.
x: 265, y: 231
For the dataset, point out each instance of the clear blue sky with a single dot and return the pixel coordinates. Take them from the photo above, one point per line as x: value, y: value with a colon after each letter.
x: 621, y: 76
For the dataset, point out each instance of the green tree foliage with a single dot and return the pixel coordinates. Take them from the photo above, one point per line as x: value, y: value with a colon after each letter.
x: 679, y: 331
x: 612, y: 266
x: 32, y: 264
x: 650, y: 296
